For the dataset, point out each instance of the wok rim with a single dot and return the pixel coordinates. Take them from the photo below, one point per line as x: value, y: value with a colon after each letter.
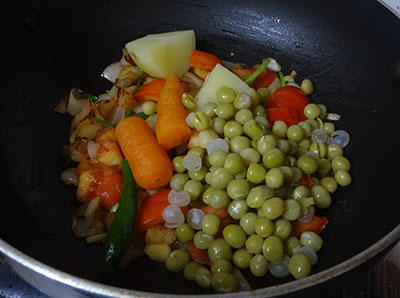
x: 95, y: 288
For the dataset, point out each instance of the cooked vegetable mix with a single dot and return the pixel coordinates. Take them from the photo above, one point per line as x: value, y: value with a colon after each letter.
x: 232, y: 165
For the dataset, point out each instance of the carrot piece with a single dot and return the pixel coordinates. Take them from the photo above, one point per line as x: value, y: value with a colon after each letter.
x: 286, y: 114
x: 203, y: 60
x: 150, y: 164
x: 198, y: 255
x: 150, y: 212
x: 316, y: 225
x: 150, y: 91
x: 306, y: 181
x: 221, y: 213
x: 171, y: 127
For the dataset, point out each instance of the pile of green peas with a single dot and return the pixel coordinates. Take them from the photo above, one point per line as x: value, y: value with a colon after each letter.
x: 258, y: 180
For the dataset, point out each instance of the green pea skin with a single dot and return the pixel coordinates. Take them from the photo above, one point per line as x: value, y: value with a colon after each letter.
x: 283, y: 228
x: 303, y: 146
x: 299, y: 265
x: 219, y: 249
x: 273, y: 158
x: 264, y: 227
x: 225, y: 94
x: 257, y: 196
x: 307, y: 164
x: 247, y: 222
x: 219, y: 199
x: 208, y: 109
x: 266, y: 143
x: 287, y: 173
x: 312, y: 240
x: 232, y: 129
x: 184, y: 233
x: 234, y: 236
x: 243, y: 116
x: 329, y: 183
x: 274, y: 178
x: 311, y: 111
x: 200, y: 175
x: 279, y: 129
x: 273, y: 208
x: 220, y: 178
x: 225, y: 110
x: 273, y: 249
x: 178, y: 181
x: 197, y: 150
x: 284, y: 146
x: 340, y: 163
x: 238, y: 189
x: 178, y: 165
x: 233, y: 163
x: 334, y: 150
x: 307, y: 86
x: 239, y: 143
x: 194, y: 189
x: 256, y: 173
x: 221, y: 266
x: 218, y: 125
x: 190, y: 270
x: 217, y: 158
x: 292, y: 210
x: 306, y: 126
x: 253, y: 129
x: 259, y: 111
x: 324, y: 166
x: 321, y: 196
x: 210, y: 224
x: 291, y: 244
x: 343, y: 178
x: 241, y: 258
x: 301, y: 192
x: 202, y: 240
x: 259, y: 265
x: 237, y: 209
x: 328, y: 127
x: 177, y: 260
x: 254, y: 244
x: 203, y: 278
x: 295, y: 133
x: 223, y: 282
x: 323, y: 110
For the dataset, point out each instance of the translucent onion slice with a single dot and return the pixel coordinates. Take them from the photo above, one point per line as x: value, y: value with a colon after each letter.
x: 244, y: 285
x: 92, y: 208
x: 319, y: 136
x: 173, y: 216
x: 192, y: 162
x: 181, y: 198
x: 116, y: 115
x: 276, y: 84
x: 68, y: 176
x: 333, y: 117
x: 273, y: 65
x: 217, y: 144
x: 309, y: 252
x: 340, y: 137
x: 111, y: 71
x: 104, y: 96
x: 308, y: 216
x: 151, y: 121
x: 279, y: 269
x: 76, y: 102
x: 93, y: 149
x: 194, y: 218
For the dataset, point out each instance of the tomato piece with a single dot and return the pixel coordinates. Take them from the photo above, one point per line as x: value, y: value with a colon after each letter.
x: 288, y: 96
x: 286, y: 114
x: 306, y: 181
x: 263, y: 80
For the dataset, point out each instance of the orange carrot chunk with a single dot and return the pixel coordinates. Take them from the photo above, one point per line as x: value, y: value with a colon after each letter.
x: 316, y: 225
x: 198, y: 255
x: 171, y: 127
x: 150, y: 91
x: 150, y: 164
x: 203, y: 60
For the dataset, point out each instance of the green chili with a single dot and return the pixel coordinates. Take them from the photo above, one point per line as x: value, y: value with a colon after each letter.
x: 93, y: 97
x: 141, y: 115
x: 122, y: 230
x: 282, y: 78
x: 250, y: 79
x: 104, y: 123
x: 139, y: 83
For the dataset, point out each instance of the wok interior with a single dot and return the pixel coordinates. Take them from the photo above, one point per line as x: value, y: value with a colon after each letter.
x: 67, y: 45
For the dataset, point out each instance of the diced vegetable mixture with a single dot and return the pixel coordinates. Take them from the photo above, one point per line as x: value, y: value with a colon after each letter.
x: 205, y: 165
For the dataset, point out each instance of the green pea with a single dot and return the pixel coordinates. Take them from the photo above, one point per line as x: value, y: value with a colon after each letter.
x: 250, y: 155
x: 210, y: 224
x: 220, y: 178
x: 329, y: 183
x: 239, y: 143
x: 303, y: 146
x: 287, y: 173
x: 234, y: 235
x: 219, y: 199
x: 297, y: 174
x: 226, y: 94
x: 242, y: 116
x: 232, y: 129
x: 273, y: 249
x: 258, y: 195
x: 295, y: 133
x: 207, y: 194
x: 237, y: 209
x: 292, y: 210
x: 259, y: 265
x: 307, y: 164
x: 203, y: 278
x: 306, y: 126
x: 233, y: 164
x: 200, y: 175
x: 321, y: 196
x: 242, y: 174
x: 324, y: 111
x: 194, y: 188
x: 178, y: 181
x: 242, y: 101
x: 177, y: 260
x: 241, y: 258
x: 273, y: 158
x: 259, y: 111
x: 328, y: 127
x: 293, y: 147
x: 264, y: 227
x: 247, y: 222
x: 311, y: 111
x: 274, y: 178
x: 188, y: 101
x: 254, y: 244
x: 225, y: 110
x: 307, y: 86
x: 334, y: 150
x: 217, y: 158
x: 314, y: 123
x: 279, y: 129
x: 149, y: 107
x: 318, y: 148
x: 221, y: 265
x: 284, y: 146
x: 223, y: 282
x: 205, y: 137
x: 305, y: 203
x: 340, y: 163
x: 301, y: 192
x: 253, y: 129
x: 263, y: 93
x: 256, y: 173
x: 343, y: 178
x: 209, y: 109
x: 266, y: 143
x: 299, y: 265
x: 202, y: 240
x: 283, y: 228
x: 218, y: 125
x: 200, y: 121
x: 273, y: 208
x: 312, y: 240
x: 291, y: 244
x: 263, y: 122
x: 197, y: 150
x: 324, y: 166
x: 178, y: 165
x: 238, y: 189
x: 190, y: 270
x: 219, y: 249
x: 184, y: 233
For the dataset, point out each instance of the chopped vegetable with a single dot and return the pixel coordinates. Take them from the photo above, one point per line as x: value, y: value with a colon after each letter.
x: 286, y: 114
x: 93, y: 97
x: 138, y: 84
x: 316, y: 225
x: 149, y: 162
x: 171, y: 127
x: 265, y: 79
x: 282, y: 78
x: 250, y: 79
x: 198, y: 255
x: 150, y: 91
x: 203, y: 60
x: 122, y: 230
x: 104, y: 123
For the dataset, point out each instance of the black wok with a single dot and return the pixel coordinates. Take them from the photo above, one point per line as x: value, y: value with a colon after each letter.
x: 346, y: 47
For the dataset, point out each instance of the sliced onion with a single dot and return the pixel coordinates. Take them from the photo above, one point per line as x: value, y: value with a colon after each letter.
x: 279, y: 269
x: 62, y: 105
x: 340, y: 137
x: 194, y: 218
x: 189, y: 119
x: 244, y: 285
x: 230, y: 65
x: 93, y: 150
x: 319, y: 136
x: 95, y: 238
x: 173, y: 216
x: 116, y: 115
x: 190, y: 77
x: 92, y: 208
x: 192, y: 162
x: 308, y: 216
x: 76, y: 102
x: 217, y: 144
x: 68, y: 176
x: 333, y: 117
x: 309, y: 252
x: 181, y: 198
x: 113, y: 93
x: 275, y: 85
x: 293, y: 84
x: 151, y: 121
x: 111, y: 71
x: 104, y: 96
x: 273, y: 65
